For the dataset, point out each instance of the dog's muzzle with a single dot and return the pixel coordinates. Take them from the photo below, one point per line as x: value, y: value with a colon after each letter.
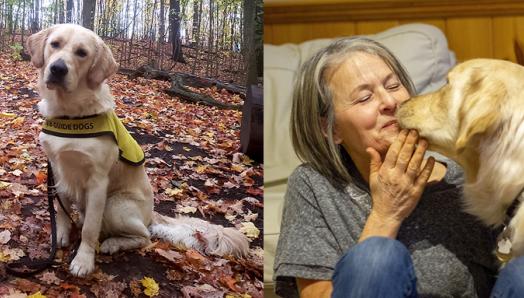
x: 58, y: 71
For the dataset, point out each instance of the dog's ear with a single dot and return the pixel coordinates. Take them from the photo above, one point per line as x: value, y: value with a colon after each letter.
x: 35, y: 45
x: 480, y: 110
x: 104, y: 65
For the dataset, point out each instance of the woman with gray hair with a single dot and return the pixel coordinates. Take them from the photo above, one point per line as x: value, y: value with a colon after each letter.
x: 370, y: 213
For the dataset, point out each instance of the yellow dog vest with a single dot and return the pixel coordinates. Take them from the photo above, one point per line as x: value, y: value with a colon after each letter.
x: 94, y: 126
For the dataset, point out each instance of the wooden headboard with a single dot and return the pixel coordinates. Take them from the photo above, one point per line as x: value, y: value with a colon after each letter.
x: 474, y: 28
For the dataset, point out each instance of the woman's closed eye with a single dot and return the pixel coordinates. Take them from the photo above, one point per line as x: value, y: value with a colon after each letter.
x: 393, y: 86
x: 363, y: 98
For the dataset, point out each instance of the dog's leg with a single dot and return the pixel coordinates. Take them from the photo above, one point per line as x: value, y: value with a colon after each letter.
x: 84, y: 262
x: 63, y: 223
x: 136, y: 236
x: 126, y: 225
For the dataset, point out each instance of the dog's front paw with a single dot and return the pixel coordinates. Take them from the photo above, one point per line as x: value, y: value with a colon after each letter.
x: 83, y: 264
x: 62, y: 235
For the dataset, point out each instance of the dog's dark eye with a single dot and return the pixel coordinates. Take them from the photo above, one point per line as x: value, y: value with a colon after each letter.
x: 55, y: 44
x: 81, y: 53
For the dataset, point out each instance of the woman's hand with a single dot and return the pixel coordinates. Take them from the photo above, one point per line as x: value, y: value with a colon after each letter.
x: 396, y: 183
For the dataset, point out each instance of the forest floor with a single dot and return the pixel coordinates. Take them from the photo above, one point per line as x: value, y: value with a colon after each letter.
x: 194, y: 166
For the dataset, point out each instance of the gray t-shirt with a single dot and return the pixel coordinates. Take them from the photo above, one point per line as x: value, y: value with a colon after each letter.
x: 451, y: 250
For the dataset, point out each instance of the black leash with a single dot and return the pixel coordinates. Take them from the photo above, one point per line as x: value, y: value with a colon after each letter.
x: 26, y: 267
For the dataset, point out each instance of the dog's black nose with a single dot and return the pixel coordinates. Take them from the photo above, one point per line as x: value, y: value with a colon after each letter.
x: 59, y: 68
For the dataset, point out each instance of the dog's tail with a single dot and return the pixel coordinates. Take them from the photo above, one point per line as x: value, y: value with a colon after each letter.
x: 199, y: 234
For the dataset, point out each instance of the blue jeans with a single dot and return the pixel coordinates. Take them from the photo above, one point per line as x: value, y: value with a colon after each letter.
x: 376, y: 267
x: 382, y: 267
x: 510, y: 282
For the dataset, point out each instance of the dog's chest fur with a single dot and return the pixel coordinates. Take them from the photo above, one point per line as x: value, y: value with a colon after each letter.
x: 76, y: 161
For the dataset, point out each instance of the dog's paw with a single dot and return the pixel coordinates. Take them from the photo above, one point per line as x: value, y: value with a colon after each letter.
x: 83, y: 264
x: 62, y: 234
x: 62, y: 237
x: 110, y: 246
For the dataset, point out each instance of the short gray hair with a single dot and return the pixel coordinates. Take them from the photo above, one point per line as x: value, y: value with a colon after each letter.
x: 312, y: 109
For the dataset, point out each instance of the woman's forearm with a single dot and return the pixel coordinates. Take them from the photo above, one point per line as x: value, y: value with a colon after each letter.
x: 309, y: 288
x: 377, y: 226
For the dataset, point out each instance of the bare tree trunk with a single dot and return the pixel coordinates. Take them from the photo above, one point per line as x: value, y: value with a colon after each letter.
x: 248, y: 47
x: 69, y: 11
x: 2, y: 19
x: 197, y: 47
x: 184, y: 20
x: 123, y: 52
x: 1, y: 14
x: 162, y: 27
x: 133, y: 31
x: 98, y: 25
x: 144, y: 20
x: 210, y: 39
x: 150, y: 50
x: 55, y: 13
x: 14, y: 25
x: 61, y: 13
x: 240, y: 43
x: 22, y: 26
x: 218, y: 56
x: 35, y: 24
x: 223, y: 31
x: 79, y: 11
x: 88, y: 14
x: 174, y: 34
x: 232, y: 42
x: 196, y: 22
x: 161, y: 36
x: 10, y: 17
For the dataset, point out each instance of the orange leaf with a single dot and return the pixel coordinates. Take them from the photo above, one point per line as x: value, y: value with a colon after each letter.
x: 41, y: 177
x: 230, y: 282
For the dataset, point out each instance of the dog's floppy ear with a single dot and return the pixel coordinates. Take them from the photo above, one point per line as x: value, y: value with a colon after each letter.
x: 104, y: 65
x: 480, y: 109
x: 35, y: 45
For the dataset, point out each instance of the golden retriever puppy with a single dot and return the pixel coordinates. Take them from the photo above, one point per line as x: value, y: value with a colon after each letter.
x: 477, y: 119
x: 97, y: 165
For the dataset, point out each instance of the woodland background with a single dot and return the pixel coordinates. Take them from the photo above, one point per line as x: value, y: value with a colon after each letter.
x: 212, y: 38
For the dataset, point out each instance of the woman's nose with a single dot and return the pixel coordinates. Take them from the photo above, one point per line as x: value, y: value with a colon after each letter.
x: 388, y: 101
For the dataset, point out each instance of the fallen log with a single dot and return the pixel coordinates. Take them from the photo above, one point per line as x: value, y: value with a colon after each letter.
x: 188, y: 79
x: 179, y: 81
x: 178, y: 89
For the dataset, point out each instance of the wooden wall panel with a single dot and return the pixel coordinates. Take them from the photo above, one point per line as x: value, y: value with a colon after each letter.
x: 439, y: 23
x: 503, y: 38
x: 519, y: 30
x: 371, y: 27
x: 293, y: 33
x: 296, y: 33
x: 268, y: 34
x: 474, y: 28
x: 333, y: 29
x: 470, y: 37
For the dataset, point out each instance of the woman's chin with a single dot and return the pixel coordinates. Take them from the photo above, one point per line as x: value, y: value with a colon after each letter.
x: 389, y: 135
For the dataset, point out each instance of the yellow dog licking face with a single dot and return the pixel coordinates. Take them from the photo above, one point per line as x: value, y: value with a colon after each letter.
x: 477, y: 119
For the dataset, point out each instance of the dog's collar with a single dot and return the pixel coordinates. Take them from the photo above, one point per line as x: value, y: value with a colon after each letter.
x: 504, y: 244
x: 77, y: 118
x: 510, y: 212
